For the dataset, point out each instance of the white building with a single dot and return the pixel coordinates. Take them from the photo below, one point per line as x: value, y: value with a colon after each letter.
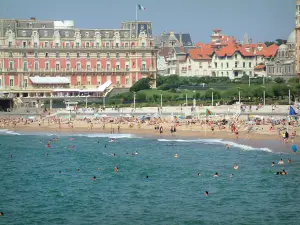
x: 197, y: 63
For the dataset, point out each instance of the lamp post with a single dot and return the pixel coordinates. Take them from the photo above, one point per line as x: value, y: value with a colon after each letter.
x: 264, y: 94
x: 161, y: 100
x: 212, y: 96
x: 104, y: 101
x: 289, y: 86
x: 239, y: 95
x: 134, y: 95
x: 194, y: 100
x: 186, y: 100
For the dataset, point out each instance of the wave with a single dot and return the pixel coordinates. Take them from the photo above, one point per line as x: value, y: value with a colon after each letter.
x: 6, y: 131
x: 219, y: 142
x: 100, y: 135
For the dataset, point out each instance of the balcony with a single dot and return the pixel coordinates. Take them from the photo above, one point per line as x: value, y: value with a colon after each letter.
x: 144, y: 69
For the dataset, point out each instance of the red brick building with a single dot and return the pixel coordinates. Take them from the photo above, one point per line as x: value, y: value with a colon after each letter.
x: 39, y: 57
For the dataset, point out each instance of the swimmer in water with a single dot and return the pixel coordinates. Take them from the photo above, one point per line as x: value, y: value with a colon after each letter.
x: 280, y: 162
x: 206, y: 193
x: 11, y: 156
x: 289, y: 161
x: 216, y: 174
x: 199, y: 174
x: 113, y: 154
x: 147, y: 176
x: 47, y: 154
x: 104, y: 146
x: 116, y: 169
x: 273, y: 164
x: 94, y: 177
x: 232, y: 175
x: 236, y: 167
x: 227, y: 146
x: 176, y: 155
x: 284, y: 172
x: 78, y: 170
x: 136, y: 153
x: 1, y: 214
x: 59, y: 171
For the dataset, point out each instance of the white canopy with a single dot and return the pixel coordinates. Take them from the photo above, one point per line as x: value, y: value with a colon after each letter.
x: 101, y: 88
x: 104, y: 86
x: 49, y: 80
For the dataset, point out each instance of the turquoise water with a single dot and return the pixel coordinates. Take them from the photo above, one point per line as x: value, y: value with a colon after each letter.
x: 32, y: 190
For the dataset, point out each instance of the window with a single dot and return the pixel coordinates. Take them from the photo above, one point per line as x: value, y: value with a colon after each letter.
x: 222, y: 65
x: 126, y: 45
x: 43, y: 25
x: 25, y: 83
x: 127, y: 81
x: 89, y: 82
x: 227, y: 74
x: 35, y: 45
x: 236, y: 64
x: 24, y: 44
x: 78, y: 83
x: 200, y: 65
x: 216, y: 65
x: 108, y: 66
x: 250, y: 65
x: 46, y: 55
x: 56, y: 45
x: 24, y: 54
x: 78, y: 55
x: 87, y: 44
x: 107, y: 55
x: 47, y: 66
x: 78, y: 66
x: 117, y: 67
x: 143, y: 55
x: 68, y: 45
x: 117, y: 45
x: 244, y: 64
x: 57, y: 67
x: 98, y: 55
x: 25, y: 66
x: 127, y: 55
x: 227, y: 65
x: 97, y: 45
x: 9, y: 44
x: 57, y: 54
x: 68, y: 66
x: 36, y: 55
x: 30, y: 25
x: 127, y: 67
x: 77, y: 44
x: 36, y: 65
x: 11, y: 65
x: 143, y: 44
x: 68, y: 55
x: 11, y: 82
x: 46, y: 44
x: 10, y: 55
x: 117, y: 55
x: 107, y: 45
x: 143, y: 66
x: 88, y: 67
x: 235, y: 56
x: 88, y: 55
x: 98, y: 67
x: 67, y: 34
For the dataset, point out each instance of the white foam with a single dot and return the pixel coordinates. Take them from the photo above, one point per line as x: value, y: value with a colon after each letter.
x: 6, y: 131
x: 100, y: 135
x: 219, y: 142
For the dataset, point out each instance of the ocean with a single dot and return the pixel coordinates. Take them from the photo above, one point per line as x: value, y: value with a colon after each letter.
x: 37, y: 188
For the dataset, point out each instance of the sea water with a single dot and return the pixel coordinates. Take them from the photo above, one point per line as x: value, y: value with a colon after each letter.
x: 37, y: 188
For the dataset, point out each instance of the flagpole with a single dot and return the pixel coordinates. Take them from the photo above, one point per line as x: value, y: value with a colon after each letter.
x: 136, y: 12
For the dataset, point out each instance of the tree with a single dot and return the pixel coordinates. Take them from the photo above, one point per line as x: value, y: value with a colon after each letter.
x: 279, y: 80
x: 141, y: 84
x: 140, y: 96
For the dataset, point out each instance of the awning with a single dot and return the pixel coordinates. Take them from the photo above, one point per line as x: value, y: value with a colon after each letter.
x: 49, y: 80
x: 104, y: 86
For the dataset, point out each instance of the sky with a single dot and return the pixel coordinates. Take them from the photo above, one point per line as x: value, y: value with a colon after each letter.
x: 262, y: 20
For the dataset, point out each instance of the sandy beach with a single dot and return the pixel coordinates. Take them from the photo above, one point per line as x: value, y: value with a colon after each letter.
x: 260, y: 136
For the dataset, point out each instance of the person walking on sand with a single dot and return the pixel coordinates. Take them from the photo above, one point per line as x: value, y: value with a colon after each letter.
x: 161, y: 130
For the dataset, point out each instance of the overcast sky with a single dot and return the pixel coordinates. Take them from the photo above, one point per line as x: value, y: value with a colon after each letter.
x: 263, y: 20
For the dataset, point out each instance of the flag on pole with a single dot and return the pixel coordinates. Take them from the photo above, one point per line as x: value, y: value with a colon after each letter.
x: 292, y: 111
x: 140, y: 7
x: 209, y: 113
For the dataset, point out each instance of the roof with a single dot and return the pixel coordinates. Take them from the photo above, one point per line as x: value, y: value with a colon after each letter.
x: 292, y: 37
x: 268, y: 51
x: 104, y: 86
x: 260, y: 67
x: 201, y: 52
x: 165, y: 51
x: 231, y: 49
x: 49, y: 80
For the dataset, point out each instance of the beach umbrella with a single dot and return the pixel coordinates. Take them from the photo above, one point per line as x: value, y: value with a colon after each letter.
x: 181, y: 117
x: 294, y: 147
